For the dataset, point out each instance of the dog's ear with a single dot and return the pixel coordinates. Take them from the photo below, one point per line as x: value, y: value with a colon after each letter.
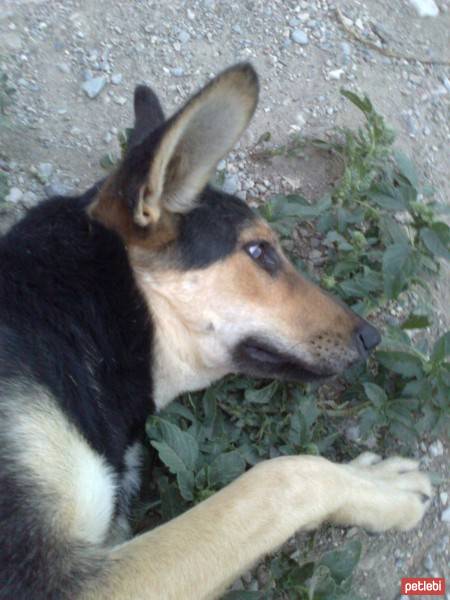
x: 148, y: 115
x: 167, y: 170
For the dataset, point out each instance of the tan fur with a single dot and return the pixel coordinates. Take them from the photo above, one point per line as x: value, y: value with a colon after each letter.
x: 197, y: 555
x: 200, y: 316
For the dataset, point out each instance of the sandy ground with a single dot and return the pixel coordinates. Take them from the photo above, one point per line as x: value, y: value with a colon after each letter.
x: 52, y: 50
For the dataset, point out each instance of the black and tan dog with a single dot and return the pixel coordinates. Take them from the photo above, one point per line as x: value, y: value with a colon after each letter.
x: 113, y: 303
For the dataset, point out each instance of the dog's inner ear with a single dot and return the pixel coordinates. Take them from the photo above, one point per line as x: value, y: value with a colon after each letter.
x: 191, y: 144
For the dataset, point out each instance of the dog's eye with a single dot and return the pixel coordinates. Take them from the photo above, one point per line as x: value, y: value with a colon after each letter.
x: 255, y: 250
x: 264, y: 254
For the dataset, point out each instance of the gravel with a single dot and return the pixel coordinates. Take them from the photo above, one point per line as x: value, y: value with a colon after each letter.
x: 300, y: 37
x: 93, y: 87
x: 14, y: 195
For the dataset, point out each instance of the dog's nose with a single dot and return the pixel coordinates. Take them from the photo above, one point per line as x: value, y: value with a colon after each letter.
x: 367, y: 338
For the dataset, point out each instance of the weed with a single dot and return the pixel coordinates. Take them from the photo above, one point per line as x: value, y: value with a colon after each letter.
x: 383, y: 236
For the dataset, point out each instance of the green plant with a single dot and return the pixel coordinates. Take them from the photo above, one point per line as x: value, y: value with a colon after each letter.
x: 383, y: 236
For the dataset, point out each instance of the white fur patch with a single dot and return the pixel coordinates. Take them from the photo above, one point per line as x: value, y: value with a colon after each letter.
x: 63, y: 466
x: 131, y: 479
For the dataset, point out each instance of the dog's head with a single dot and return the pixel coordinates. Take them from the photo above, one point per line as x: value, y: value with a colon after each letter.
x: 223, y: 296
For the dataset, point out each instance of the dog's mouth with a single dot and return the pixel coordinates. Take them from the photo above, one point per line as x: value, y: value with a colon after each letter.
x: 259, y: 358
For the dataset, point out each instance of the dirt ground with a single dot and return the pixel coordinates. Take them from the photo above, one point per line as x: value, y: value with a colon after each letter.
x: 54, y: 52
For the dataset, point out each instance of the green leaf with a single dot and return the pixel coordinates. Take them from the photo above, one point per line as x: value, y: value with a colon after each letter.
x: 441, y: 348
x: 342, y: 562
x: 402, y: 363
x: 406, y: 168
x: 225, y: 468
x: 375, y: 394
x: 176, y: 448
x: 397, y: 267
x: 363, y: 104
x: 263, y: 395
x: 185, y: 480
x: 169, y: 457
x: 415, y: 321
x: 435, y: 243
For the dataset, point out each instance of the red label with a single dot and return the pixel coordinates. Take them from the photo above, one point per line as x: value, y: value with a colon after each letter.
x: 423, y: 586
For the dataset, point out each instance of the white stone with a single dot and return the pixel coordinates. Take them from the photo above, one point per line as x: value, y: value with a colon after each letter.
x: 14, y: 195
x: 436, y: 449
x: 444, y: 498
x: 336, y: 74
x: 446, y: 515
x: 425, y: 8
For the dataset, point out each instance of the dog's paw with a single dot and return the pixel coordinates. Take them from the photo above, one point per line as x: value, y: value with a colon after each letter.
x: 384, y: 494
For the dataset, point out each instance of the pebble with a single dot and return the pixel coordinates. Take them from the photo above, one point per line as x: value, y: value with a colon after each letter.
x: 64, y: 67
x: 120, y: 100
x: 44, y: 170
x: 425, y: 8
x: 14, y: 195
x: 445, y: 517
x: 300, y: 37
x: 446, y: 81
x: 116, y: 78
x: 231, y: 184
x: 428, y: 563
x: 177, y: 71
x: 336, y: 74
x: 30, y: 199
x: 183, y: 36
x: 94, y: 86
x: 444, y: 498
x: 436, y: 449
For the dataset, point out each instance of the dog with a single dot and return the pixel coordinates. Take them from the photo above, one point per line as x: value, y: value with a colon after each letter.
x: 113, y: 303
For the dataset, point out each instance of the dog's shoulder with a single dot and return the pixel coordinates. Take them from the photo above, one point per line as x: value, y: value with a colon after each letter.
x: 73, y: 321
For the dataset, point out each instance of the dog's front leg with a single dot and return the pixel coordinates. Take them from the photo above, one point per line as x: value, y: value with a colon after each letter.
x: 197, y: 555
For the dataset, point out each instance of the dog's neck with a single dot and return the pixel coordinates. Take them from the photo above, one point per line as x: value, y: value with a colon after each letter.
x: 184, y: 355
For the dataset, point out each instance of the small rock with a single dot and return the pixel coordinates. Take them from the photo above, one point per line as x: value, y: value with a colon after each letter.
x: 190, y: 14
x: 222, y: 165
x: 446, y: 81
x: 336, y: 74
x: 428, y: 563
x: 445, y: 517
x: 444, y: 498
x: 231, y: 184
x: 425, y: 8
x: 56, y: 188
x: 300, y: 37
x: 87, y: 75
x: 183, y: 36
x: 44, y: 170
x: 14, y: 195
x: 29, y: 199
x: 108, y: 138
x: 436, y: 449
x: 94, y: 86
x: 242, y: 195
x: 64, y: 67
x: 294, y: 22
x: 120, y: 100
x: 116, y: 78
x: 177, y: 71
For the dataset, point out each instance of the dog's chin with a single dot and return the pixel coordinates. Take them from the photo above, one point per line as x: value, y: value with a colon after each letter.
x: 258, y: 358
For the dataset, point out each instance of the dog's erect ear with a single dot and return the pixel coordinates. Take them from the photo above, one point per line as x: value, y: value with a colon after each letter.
x: 148, y: 115
x: 167, y: 170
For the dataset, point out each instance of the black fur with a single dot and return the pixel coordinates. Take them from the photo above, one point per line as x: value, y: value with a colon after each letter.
x: 210, y: 232
x: 78, y: 323
x: 74, y: 322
